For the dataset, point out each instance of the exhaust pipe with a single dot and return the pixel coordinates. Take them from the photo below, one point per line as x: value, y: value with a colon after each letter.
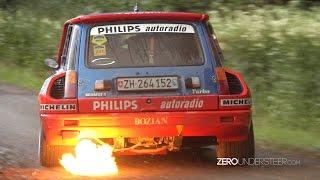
x: 131, y: 150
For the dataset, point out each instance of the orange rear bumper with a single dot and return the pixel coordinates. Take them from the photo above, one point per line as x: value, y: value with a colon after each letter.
x: 66, y: 129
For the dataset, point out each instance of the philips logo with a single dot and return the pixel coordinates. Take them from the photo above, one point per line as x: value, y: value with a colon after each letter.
x: 115, y: 105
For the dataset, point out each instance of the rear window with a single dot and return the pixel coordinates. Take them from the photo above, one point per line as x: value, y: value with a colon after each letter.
x: 144, y: 45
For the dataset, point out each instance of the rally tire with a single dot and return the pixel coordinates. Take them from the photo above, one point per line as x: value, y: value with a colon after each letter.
x: 50, y: 155
x: 237, y: 149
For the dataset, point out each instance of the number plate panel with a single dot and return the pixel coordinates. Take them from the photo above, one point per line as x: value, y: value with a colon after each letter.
x: 147, y: 83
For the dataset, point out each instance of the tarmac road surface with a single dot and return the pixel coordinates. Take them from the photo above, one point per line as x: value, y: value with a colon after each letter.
x: 19, y: 126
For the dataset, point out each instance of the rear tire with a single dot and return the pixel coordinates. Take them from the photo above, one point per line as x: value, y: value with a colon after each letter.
x: 237, y: 149
x: 50, y: 155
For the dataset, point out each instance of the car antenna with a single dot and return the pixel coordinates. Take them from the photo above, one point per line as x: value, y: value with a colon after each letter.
x: 136, y: 8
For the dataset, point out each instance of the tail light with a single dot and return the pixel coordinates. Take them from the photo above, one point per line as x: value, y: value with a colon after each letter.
x: 222, y: 81
x: 71, y: 84
x: 57, y: 90
x: 234, y: 84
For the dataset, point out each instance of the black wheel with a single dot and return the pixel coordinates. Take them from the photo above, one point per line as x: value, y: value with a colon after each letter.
x: 50, y: 155
x: 237, y: 149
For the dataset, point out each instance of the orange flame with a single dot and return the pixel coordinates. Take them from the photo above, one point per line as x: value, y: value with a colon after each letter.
x: 90, y: 160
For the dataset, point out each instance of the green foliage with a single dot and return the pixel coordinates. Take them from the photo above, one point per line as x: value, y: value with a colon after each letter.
x: 180, y: 5
x: 277, y: 49
x: 26, y: 40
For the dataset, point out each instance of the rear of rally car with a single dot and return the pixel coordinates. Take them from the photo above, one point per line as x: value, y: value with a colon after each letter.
x: 146, y: 84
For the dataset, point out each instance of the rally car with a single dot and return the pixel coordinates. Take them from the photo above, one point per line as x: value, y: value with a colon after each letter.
x: 145, y: 83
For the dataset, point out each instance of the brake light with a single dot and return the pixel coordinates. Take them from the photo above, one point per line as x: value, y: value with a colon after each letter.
x: 222, y: 81
x: 71, y: 84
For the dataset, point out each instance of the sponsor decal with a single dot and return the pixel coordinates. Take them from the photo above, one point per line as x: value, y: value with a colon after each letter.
x: 114, y: 105
x: 99, y: 50
x: 200, y: 91
x: 141, y: 28
x: 96, y: 94
x: 182, y: 104
x: 150, y: 120
x: 235, y: 102
x: 99, y: 40
x: 58, y: 107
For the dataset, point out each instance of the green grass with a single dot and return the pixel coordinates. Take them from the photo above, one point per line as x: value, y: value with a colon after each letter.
x: 287, y: 139
x: 21, y: 77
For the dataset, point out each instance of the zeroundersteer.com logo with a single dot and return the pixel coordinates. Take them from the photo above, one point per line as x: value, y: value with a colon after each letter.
x: 257, y: 162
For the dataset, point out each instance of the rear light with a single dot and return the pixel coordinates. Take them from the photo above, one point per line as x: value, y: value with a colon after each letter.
x: 71, y: 84
x: 102, y: 85
x: 222, y: 81
x: 57, y: 90
x: 193, y: 82
x: 234, y: 84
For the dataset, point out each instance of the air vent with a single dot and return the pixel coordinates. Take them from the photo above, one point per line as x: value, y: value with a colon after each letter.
x: 234, y: 84
x: 57, y: 90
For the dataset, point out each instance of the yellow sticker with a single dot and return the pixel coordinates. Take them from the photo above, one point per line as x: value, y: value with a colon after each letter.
x: 99, y: 50
x: 99, y: 40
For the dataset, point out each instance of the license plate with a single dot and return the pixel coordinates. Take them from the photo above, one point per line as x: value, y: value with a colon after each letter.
x: 147, y: 83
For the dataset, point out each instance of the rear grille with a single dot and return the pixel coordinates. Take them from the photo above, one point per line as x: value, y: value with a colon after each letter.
x: 57, y: 90
x: 234, y: 84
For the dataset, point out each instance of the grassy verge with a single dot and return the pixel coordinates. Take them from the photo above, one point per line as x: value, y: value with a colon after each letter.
x: 20, y: 76
x: 287, y: 139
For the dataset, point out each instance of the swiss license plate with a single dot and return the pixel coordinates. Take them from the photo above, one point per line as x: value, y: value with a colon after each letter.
x: 147, y: 83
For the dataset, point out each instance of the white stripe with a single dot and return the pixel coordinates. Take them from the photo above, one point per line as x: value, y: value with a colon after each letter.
x: 141, y: 28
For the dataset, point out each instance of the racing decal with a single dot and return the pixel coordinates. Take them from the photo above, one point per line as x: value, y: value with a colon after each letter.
x: 96, y: 94
x: 235, y: 102
x: 99, y: 50
x: 150, y: 120
x: 200, y: 91
x: 99, y: 40
x: 141, y: 28
x: 58, y: 107
x: 182, y: 104
x: 114, y: 105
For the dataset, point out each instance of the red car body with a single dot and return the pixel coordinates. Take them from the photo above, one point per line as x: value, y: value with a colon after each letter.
x: 223, y: 116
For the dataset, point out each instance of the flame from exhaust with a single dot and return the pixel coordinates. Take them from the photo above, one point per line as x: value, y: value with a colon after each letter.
x: 90, y: 160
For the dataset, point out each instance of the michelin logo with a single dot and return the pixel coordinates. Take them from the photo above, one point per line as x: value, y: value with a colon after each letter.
x: 58, y: 107
x: 235, y: 102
